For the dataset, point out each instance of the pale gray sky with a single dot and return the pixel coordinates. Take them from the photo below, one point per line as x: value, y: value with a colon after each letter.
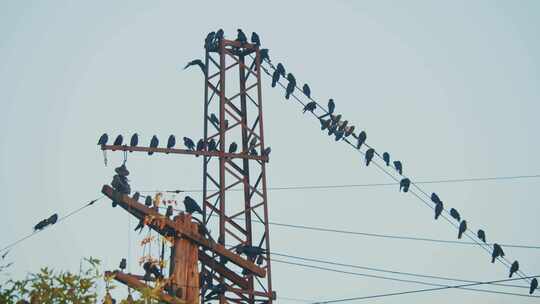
x: 450, y: 88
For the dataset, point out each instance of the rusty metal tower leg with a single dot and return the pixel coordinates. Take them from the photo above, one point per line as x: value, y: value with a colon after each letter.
x: 241, y: 221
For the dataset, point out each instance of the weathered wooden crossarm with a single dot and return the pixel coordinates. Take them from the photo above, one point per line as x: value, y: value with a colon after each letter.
x: 138, y: 209
x: 224, y: 271
x: 133, y: 282
x: 183, y: 151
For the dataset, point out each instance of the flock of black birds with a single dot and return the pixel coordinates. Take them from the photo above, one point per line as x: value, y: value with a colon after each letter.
x: 342, y: 130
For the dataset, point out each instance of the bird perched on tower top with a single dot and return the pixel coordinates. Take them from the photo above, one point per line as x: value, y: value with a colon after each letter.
x: 241, y: 37
x: 188, y: 142
x: 255, y: 39
x: 191, y: 205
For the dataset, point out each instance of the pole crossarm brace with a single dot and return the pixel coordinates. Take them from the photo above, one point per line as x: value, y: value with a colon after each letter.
x: 134, y: 282
x: 263, y: 158
x: 163, y: 225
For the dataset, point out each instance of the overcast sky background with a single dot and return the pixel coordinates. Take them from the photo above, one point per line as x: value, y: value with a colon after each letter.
x: 450, y: 88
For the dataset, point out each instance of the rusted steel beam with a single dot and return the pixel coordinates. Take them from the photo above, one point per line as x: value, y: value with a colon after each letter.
x: 224, y: 271
x: 133, y: 282
x: 138, y: 209
x: 183, y: 151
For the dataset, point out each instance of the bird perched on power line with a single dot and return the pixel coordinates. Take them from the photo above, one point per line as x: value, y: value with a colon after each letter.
x: 171, y: 141
x: 306, y: 90
x: 191, y: 205
x: 399, y: 167
x: 212, y: 146
x: 148, y: 201
x: 310, y: 106
x: 123, y: 264
x: 281, y: 69
x: 266, y: 151
x: 197, y: 62
x: 331, y: 106
x: 336, y: 118
x: 275, y: 78
x: 290, y: 86
x: 136, y: 196
x: 435, y: 198
x: 118, y: 140
x: 264, y: 55
x: 52, y: 219
x: 514, y: 268
x: 188, y: 142
x: 343, y: 125
x: 339, y: 134
x: 103, y: 139
x: 462, y: 228
x: 497, y: 252
x: 332, y: 128
x: 154, y: 142
x: 250, y: 251
x: 534, y: 285
x: 361, y: 139
x: 169, y: 211
x: 241, y: 37
x: 348, y: 131
x: 369, y: 156
x: 41, y: 225
x: 233, y: 147
x: 481, y: 235
x: 255, y: 39
x: 386, y: 158
x: 438, y: 209
x: 455, y: 214
x: 325, y: 123
x: 404, y: 183
x: 134, y: 141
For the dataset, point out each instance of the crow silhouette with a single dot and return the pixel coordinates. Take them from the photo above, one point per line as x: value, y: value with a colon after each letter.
x: 497, y: 252
x: 103, y: 139
x: 306, y: 90
x: 404, y: 184
x: 153, y: 144
x: 386, y: 158
x: 188, y: 142
x: 399, y: 167
x: 361, y: 139
x: 462, y: 228
x: 369, y: 156
x: 481, y: 235
x: 191, y: 205
x: 310, y: 106
x: 134, y: 141
x: 514, y: 268
x: 118, y: 140
x: 455, y: 214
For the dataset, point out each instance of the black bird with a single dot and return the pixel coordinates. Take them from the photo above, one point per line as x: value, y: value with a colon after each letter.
x: 191, y: 205
x: 399, y: 167
x: 339, y: 134
x: 214, y: 120
x: 497, y: 252
x: 200, y: 145
x: 331, y: 128
x: 281, y: 69
x: 369, y: 156
x: 219, y: 36
x: 103, y: 139
x: 331, y: 106
x: 290, y: 86
x: 196, y: 62
x: 118, y: 140
x: 361, y: 139
x: 534, y: 285
x: 462, y: 228
x: 151, y: 268
x: 209, y: 39
x: 212, y: 146
x: 253, y: 152
x: 266, y: 151
x: 153, y: 144
x: 386, y: 158
x: 343, y: 125
x: 255, y: 39
x: 435, y: 198
x: 189, y: 143
x: 169, y: 211
x: 514, y: 268
x: 404, y: 183
x: 264, y: 55
x: 171, y: 141
x: 252, y: 143
x: 310, y: 106
x: 42, y: 224
x: 233, y: 147
x: 136, y: 196
x: 481, y: 235
x: 139, y: 226
x: 336, y: 118
x: 275, y: 78
x: 52, y: 219
x: 306, y: 90
x: 134, y: 141
x: 241, y: 37
x: 148, y: 201
x: 349, y: 131
x: 123, y: 264
x: 250, y: 251
x: 325, y: 124
x: 455, y: 214
x: 438, y: 209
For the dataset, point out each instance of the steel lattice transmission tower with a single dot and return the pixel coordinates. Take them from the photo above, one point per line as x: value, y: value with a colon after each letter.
x: 233, y: 93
